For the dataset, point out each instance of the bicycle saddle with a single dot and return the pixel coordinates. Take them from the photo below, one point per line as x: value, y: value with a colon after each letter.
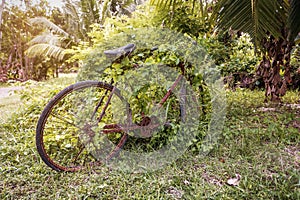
x: 121, y: 51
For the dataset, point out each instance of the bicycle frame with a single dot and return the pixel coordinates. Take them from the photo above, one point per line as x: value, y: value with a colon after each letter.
x: 115, y: 128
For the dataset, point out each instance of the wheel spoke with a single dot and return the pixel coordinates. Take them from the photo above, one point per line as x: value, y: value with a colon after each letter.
x: 117, y: 149
x: 71, y: 113
x: 99, y: 104
x: 106, y: 104
x: 64, y: 120
x: 80, y: 151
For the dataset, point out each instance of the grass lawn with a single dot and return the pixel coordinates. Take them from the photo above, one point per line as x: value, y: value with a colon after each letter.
x: 258, y: 158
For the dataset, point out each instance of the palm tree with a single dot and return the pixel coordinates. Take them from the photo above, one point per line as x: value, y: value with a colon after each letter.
x: 51, y: 43
x: 79, y: 16
x: 1, y: 11
x: 273, y: 26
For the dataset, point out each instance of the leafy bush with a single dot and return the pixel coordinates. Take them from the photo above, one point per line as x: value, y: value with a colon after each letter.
x: 184, y: 19
x: 235, y: 57
x: 173, y: 53
x: 156, y: 49
x: 295, y: 68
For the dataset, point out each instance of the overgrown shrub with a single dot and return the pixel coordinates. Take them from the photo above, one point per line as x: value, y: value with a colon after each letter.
x: 154, y: 48
x: 295, y: 68
x: 235, y: 57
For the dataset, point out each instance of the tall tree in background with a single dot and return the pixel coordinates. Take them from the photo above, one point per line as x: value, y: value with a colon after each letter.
x: 65, y: 28
x: 16, y: 32
x: 1, y: 12
x: 79, y: 16
x: 51, y: 43
x: 118, y: 7
x: 73, y: 27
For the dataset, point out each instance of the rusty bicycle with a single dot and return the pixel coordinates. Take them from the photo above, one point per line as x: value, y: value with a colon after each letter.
x: 89, y: 122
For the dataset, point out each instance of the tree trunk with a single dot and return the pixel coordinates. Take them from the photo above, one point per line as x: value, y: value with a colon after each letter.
x: 1, y: 12
x: 275, y: 67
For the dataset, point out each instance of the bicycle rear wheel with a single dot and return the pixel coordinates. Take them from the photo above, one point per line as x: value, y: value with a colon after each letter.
x: 72, y: 123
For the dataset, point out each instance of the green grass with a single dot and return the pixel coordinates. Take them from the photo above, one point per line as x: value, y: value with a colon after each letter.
x: 4, y: 84
x: 261, y: 146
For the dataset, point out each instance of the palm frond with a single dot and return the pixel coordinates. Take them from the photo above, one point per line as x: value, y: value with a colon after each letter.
x: 197, y: 7
x: 46, y: 50
x: 48, y: 24
x: 75, y: 22
x: 164, y: 3
x: 72, y: 10
x: 105, y: 10
x: 256, y: 17
x: 294, y: 19
x: 46, y: 38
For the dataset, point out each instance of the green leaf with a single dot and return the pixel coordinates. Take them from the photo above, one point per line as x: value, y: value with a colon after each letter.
x: 256, y: 17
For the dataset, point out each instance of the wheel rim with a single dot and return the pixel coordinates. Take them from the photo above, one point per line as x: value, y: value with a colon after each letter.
x: 67, y: 122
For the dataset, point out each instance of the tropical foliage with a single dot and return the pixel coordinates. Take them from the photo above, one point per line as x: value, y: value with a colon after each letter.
x: 51, y: 43
x: 273, y: 26
x: 34, y: 46
x: 15, y: 33
x: 191, y: 17
x: 217, y: 25
x: 129, y: 71
x: 239, y: 35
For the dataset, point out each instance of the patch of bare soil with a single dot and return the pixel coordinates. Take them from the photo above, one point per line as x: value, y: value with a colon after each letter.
x: 6, y: 91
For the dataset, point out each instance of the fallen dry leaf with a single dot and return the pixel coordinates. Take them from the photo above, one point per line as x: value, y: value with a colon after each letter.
x: 175, y: 193
x: 234, y: 181
x: 186, y: 182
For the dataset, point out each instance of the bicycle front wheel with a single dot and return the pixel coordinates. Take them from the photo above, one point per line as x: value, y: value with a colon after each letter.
x: 73, y: 121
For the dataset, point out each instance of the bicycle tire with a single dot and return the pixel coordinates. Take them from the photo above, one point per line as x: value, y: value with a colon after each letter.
x: 47, y: 133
